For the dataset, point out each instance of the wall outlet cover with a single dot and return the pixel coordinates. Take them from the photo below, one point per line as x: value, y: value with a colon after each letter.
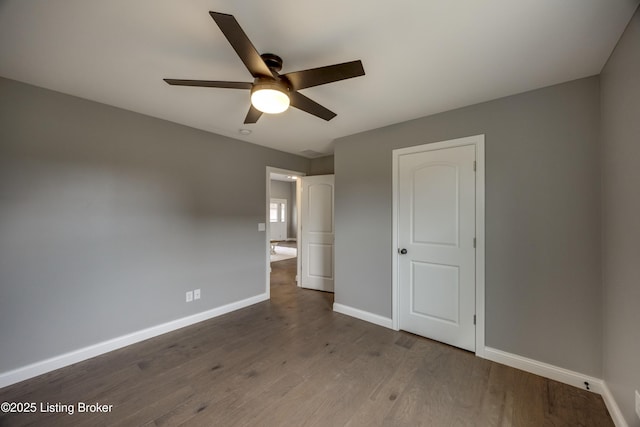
x: 189, y: 296
x: 196, y: 294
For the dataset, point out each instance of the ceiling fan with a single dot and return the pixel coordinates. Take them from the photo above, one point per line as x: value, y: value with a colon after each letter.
x: 271, y: 92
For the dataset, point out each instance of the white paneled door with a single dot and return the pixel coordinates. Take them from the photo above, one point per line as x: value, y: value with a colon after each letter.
x: 317, y: 232
x: 436, y: 244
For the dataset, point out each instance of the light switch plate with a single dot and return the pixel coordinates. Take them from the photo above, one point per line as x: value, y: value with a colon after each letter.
x: 262, y: 226
x: 196, y: 294
x: 189, y: 296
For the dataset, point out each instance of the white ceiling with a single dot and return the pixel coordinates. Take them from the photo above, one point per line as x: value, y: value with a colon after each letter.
x: 420, y: 56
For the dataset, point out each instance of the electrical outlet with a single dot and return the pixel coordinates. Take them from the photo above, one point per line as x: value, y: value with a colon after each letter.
x: 638, y: 403
x: 189, y: 296
x: 196, y: 294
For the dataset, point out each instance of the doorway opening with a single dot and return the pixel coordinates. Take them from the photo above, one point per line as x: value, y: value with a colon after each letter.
x: 282, y: 222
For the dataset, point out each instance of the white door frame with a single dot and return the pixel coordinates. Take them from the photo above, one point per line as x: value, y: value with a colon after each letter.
x: 267, y: 236
x: 478, y: 141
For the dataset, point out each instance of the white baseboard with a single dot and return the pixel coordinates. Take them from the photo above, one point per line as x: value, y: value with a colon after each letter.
x: 44, y: 366
x: 363, y: 315
x: 612, y: 407
x: 562, y: 375
x: 546, y: 370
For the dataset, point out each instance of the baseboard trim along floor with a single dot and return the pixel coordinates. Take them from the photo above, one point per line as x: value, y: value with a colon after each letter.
x: 546, y: 370
x: 48, y: 365
x: 363, y: 315
x: 562, y: 375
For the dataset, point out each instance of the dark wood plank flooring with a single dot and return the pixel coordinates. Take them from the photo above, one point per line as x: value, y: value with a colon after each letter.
x: 292, y: 361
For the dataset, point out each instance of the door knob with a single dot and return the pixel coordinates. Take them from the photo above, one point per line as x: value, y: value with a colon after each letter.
x: 402, y: 251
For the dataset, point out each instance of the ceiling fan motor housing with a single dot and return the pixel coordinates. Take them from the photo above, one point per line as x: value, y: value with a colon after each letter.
x: 273, y: 61
x: 281, y: 85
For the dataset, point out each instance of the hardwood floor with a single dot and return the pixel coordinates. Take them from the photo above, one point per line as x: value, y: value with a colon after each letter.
x: 292, y: 361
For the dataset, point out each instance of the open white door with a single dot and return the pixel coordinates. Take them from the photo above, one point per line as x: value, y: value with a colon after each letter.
x: 316, y: 219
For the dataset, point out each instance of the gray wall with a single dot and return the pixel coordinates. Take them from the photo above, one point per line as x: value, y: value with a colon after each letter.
x: 321, y: 166
x: 620, y: 89
x: 543, y: 291
x: 287, y: 190
x: 108, y: 217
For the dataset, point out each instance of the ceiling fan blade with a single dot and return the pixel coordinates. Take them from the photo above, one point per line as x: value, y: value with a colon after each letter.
x: 303, y: 103
x: 242, y: 45
x: 253, y: 115
x: 209, y: 83
x: 322, y: 75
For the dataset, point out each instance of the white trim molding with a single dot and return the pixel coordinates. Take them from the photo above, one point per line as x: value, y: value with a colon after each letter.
x: 546, y: 370
x: 48, y: 365
x: 363, y: 315
x: 612, y: 407
x: 478, y: 142
x: 566, y: 376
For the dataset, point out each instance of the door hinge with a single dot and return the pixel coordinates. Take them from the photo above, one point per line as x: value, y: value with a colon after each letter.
x: 474, y: 165
x: 474, y: 242
x: 474, y: 319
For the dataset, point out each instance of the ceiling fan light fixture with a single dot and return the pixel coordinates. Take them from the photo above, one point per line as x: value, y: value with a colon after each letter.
x: 272, y: 92
x: 270, y: 97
